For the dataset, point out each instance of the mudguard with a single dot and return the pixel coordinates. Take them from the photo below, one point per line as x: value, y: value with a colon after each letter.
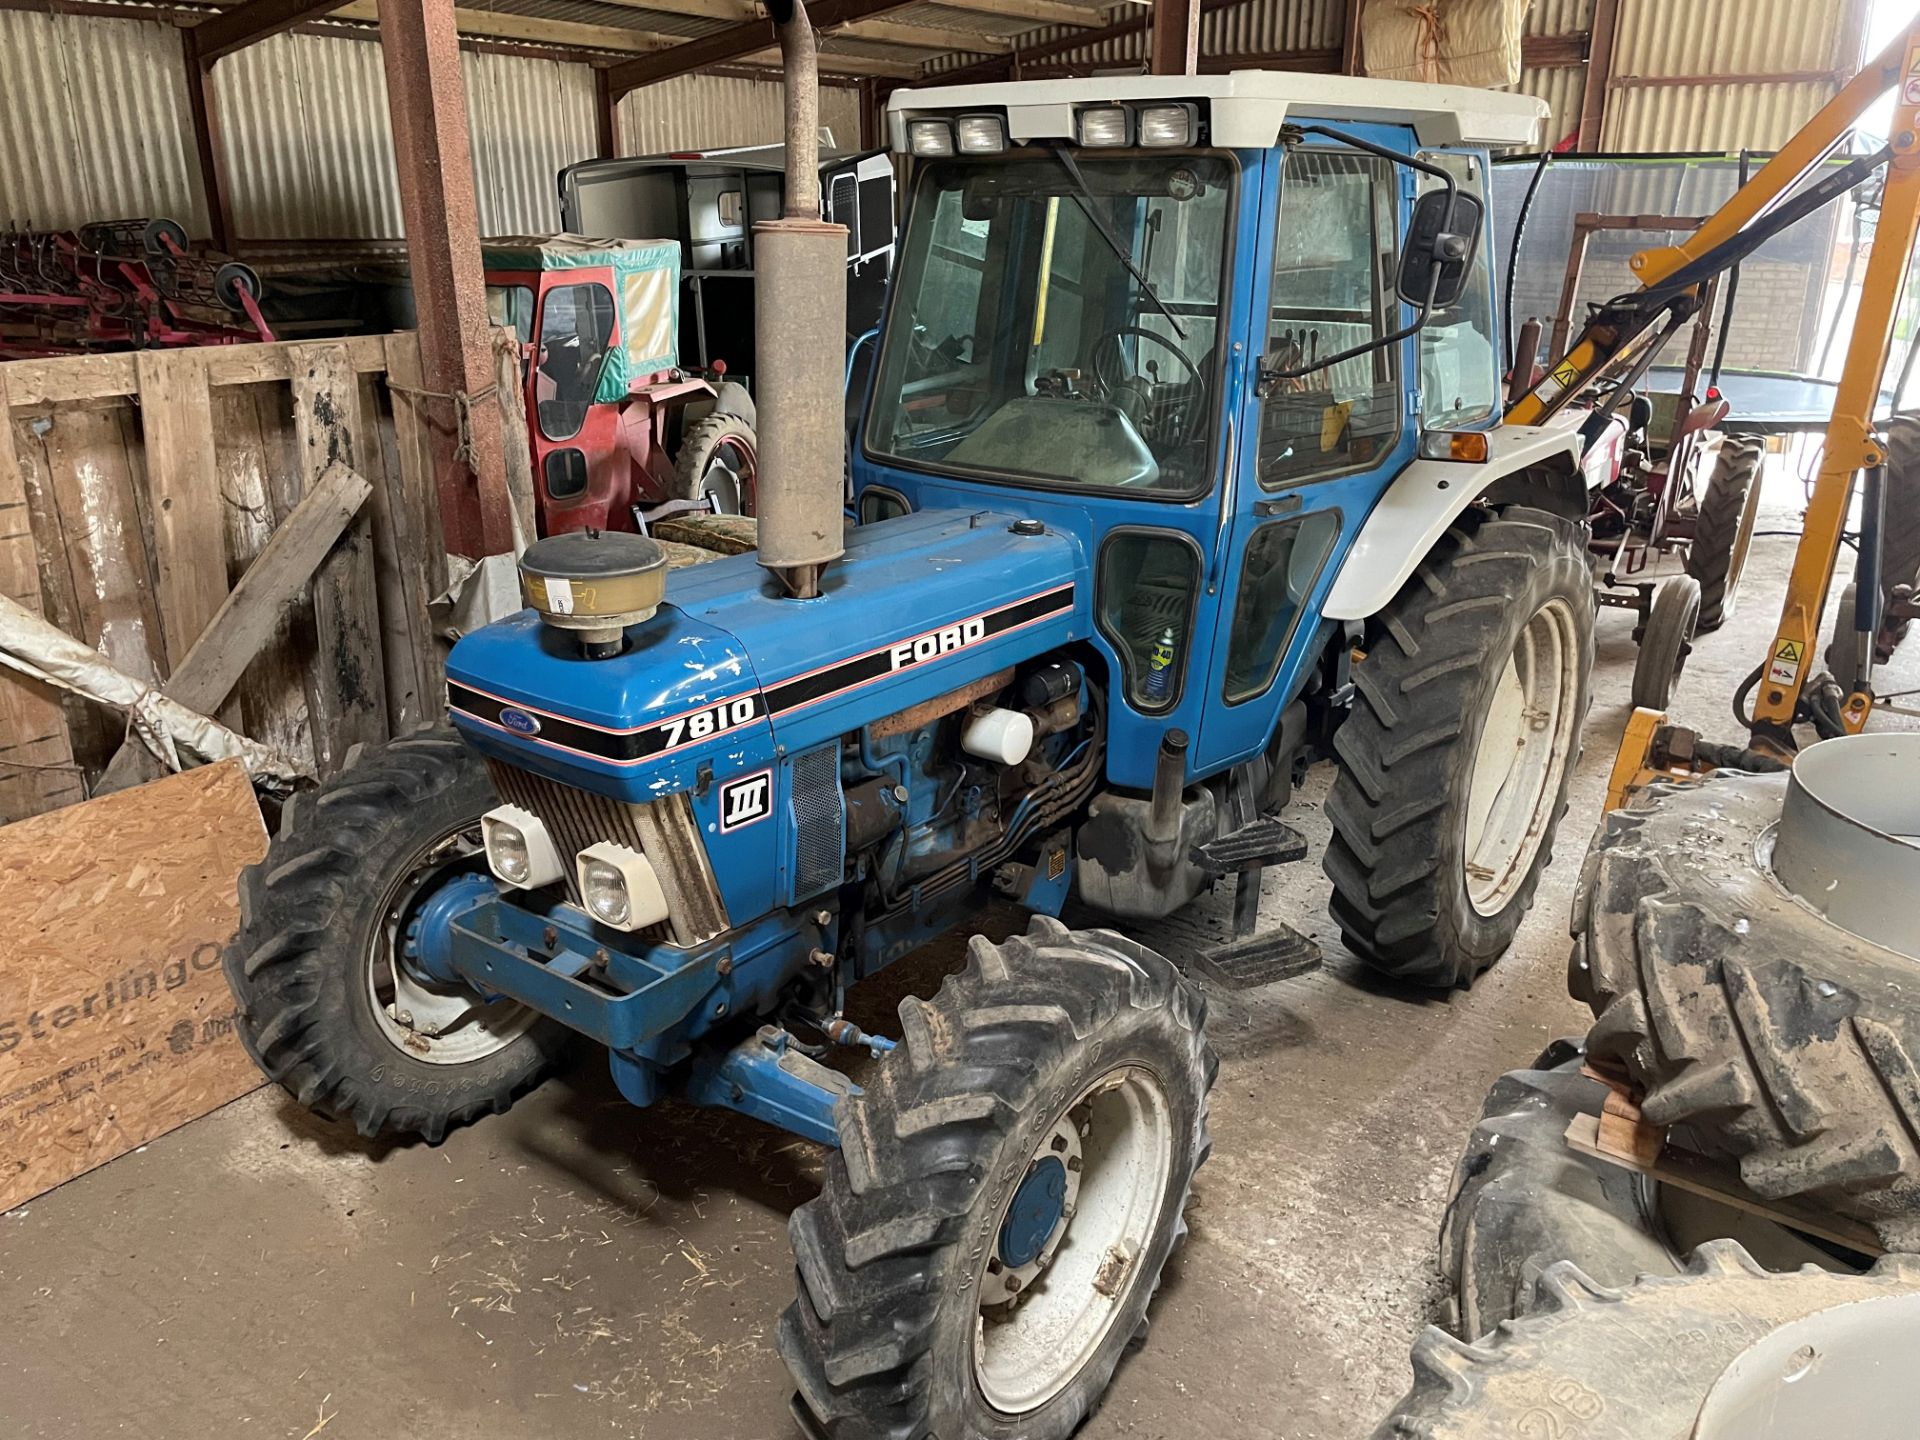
x: 1426, y: 498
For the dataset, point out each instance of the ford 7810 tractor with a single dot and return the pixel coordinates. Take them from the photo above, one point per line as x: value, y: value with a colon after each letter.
x: 1181, y: 466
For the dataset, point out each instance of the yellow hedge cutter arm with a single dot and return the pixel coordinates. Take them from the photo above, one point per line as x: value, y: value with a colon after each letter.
x: 1622, y: 338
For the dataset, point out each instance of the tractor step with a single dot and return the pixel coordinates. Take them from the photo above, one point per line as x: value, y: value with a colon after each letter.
x: 1277, y: 954
x: 1267, y: 841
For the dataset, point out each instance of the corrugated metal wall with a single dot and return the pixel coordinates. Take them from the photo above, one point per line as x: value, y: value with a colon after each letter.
x: 1562, y: 87
x: 97, y: 125
x: 310, y: 151
x: 707, y: 112
x: 1659, y: 39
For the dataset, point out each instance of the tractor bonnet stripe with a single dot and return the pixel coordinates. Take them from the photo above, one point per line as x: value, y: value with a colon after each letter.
x: 647, y: 742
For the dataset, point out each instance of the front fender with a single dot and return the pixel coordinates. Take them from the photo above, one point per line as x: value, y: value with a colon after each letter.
x: 1423, y: 501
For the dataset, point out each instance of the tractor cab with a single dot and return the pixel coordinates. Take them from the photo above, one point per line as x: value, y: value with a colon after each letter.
x: 1188, y: 321
x: 616, y: 426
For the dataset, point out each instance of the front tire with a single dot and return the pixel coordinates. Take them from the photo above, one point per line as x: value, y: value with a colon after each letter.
x: 1666, y: 641
x: 1723, y: 534
x: 1455, y: 762
x: 328, y: 1006
x: 1005, y: 1197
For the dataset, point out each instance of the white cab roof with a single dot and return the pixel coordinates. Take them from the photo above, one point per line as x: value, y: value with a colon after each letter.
x: 1247, y: 107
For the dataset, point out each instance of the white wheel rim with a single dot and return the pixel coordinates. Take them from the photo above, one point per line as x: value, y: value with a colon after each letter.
x: 426, y: 1021
x: 1029, y: 1345
x: 724, y: 483
x: 1521, y: 759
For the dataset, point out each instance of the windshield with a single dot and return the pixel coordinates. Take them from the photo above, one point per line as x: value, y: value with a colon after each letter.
x: 1022, y: 343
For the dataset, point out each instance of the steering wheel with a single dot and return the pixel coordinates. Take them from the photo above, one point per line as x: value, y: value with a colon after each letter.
x: 1109, y: 358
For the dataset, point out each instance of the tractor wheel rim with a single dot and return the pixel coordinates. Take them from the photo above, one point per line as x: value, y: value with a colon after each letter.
x: 1521, y: 759
x: 425, y: 1019
x: 1032, y: 1335
x: 728, y: 479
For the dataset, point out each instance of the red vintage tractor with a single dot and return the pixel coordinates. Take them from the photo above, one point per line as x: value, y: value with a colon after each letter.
x: 620, y: 433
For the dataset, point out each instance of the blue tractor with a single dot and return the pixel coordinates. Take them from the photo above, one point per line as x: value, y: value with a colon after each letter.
x: 1181, y: 467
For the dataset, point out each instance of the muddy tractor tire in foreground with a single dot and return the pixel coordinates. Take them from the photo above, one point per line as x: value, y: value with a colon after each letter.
x: 1725, y: 1351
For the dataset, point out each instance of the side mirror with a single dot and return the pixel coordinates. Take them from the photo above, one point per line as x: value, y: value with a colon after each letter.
x: 1441, y: 243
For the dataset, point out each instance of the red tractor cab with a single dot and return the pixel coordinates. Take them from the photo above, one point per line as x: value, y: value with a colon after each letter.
x: 618, y: 429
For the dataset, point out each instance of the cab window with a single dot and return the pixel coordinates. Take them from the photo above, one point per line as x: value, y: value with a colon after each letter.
x: 576, y: 331
x: 1459, y: 356
x: 1333, y: 265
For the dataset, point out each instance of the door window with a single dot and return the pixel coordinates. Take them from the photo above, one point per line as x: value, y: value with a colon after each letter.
x: 1333, y: 266
x: 512, y: 305
x: 1459, y: 358
x: 1147, y: 583
x: 576, y: 331
x: 1282, y: 565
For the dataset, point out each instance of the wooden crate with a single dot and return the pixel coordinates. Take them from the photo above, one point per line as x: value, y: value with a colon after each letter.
x: 134, y: 491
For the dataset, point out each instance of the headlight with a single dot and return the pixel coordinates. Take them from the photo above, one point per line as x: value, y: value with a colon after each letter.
x: 980, y: 134
x: 930, y: 137
x: 1168, y: 124
x: 519, y: 851
x: 604, y: 889
x: 1105, y: 125
x: 619, y: 888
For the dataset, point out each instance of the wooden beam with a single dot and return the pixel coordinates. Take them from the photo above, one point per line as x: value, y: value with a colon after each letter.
x: 567, y: 33
x: 739, y: 41
x: 924, y: 37
x: 204, y: 115
x: 243, y: 25
x: 1593, y: 105
x: 250, y: 615
x: 1175, y: 45
x: 1350, y: 56
x: 1022, y: 59
x: 732, y: 11
x: 606, y: 116
x: 845, y: 64
x: 1035, y: 12
x: 1554, y: 52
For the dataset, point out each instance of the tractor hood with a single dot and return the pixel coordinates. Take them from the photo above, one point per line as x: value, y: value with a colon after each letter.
x: 728, y: 675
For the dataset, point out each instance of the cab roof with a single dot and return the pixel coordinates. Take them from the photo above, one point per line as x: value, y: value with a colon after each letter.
x: 1245, y: 108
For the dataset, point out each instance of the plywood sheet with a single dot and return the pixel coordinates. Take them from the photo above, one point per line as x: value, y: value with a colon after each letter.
x: 116, y: 1024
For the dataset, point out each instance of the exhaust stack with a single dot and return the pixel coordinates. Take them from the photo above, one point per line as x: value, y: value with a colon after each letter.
x: 801, y: 262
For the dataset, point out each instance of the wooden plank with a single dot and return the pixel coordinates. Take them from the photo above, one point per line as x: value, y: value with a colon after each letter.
x: 254, y: 424
x: 70, y: 377
x: 413, y: 505
x: 37, y: 771
x: 99, y: 377
x: 116, y: 1024
x: 347, y: 683
x: 512, y: 401
x: 253, y: 364
x: 189, y: 530
x: 403, y: 618
x: 251, y: 614
x: 1690, y: 1172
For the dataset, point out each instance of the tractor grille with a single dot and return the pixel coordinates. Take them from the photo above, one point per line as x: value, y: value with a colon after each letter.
x: 819, y: 845
x: 663, y: 830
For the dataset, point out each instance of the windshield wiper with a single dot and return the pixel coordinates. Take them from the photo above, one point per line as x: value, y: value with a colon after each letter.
x: 1088, y: 204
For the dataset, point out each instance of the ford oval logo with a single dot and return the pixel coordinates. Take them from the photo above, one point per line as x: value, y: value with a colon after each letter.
x: 519, y: 721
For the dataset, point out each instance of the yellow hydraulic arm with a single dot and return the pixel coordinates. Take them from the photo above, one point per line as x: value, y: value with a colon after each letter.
x: 1625, y: 335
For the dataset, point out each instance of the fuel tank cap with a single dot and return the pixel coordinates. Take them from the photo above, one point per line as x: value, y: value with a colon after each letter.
x: 594, y: 582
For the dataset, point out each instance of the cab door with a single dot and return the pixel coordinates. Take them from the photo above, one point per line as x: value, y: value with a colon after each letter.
x: 579, y: 462
x: 1313, y: 452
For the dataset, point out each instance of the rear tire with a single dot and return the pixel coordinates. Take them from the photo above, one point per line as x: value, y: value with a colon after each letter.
x: 719, y: 457
x: 1628, y: 1364
x: 1667, y: 640
x: 1723, y: 534
x: 1777, y: 1038
x: 901, y: 1329
x: 316, y: 918
x: 1432, y: 873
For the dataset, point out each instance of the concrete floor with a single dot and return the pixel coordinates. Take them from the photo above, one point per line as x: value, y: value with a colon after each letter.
x: 577, y: 1267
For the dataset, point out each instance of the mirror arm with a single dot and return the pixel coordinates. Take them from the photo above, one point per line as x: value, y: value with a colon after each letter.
x: 1269, y: 374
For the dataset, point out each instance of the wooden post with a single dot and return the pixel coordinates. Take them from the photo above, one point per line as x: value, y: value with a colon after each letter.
x: 606, y: 114
x: 1593, y: 106
x: 183, y: 487
x: 427, y: 102
x: 206, y: 140
x: 1351, y: 60
x: 1176, y: 37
